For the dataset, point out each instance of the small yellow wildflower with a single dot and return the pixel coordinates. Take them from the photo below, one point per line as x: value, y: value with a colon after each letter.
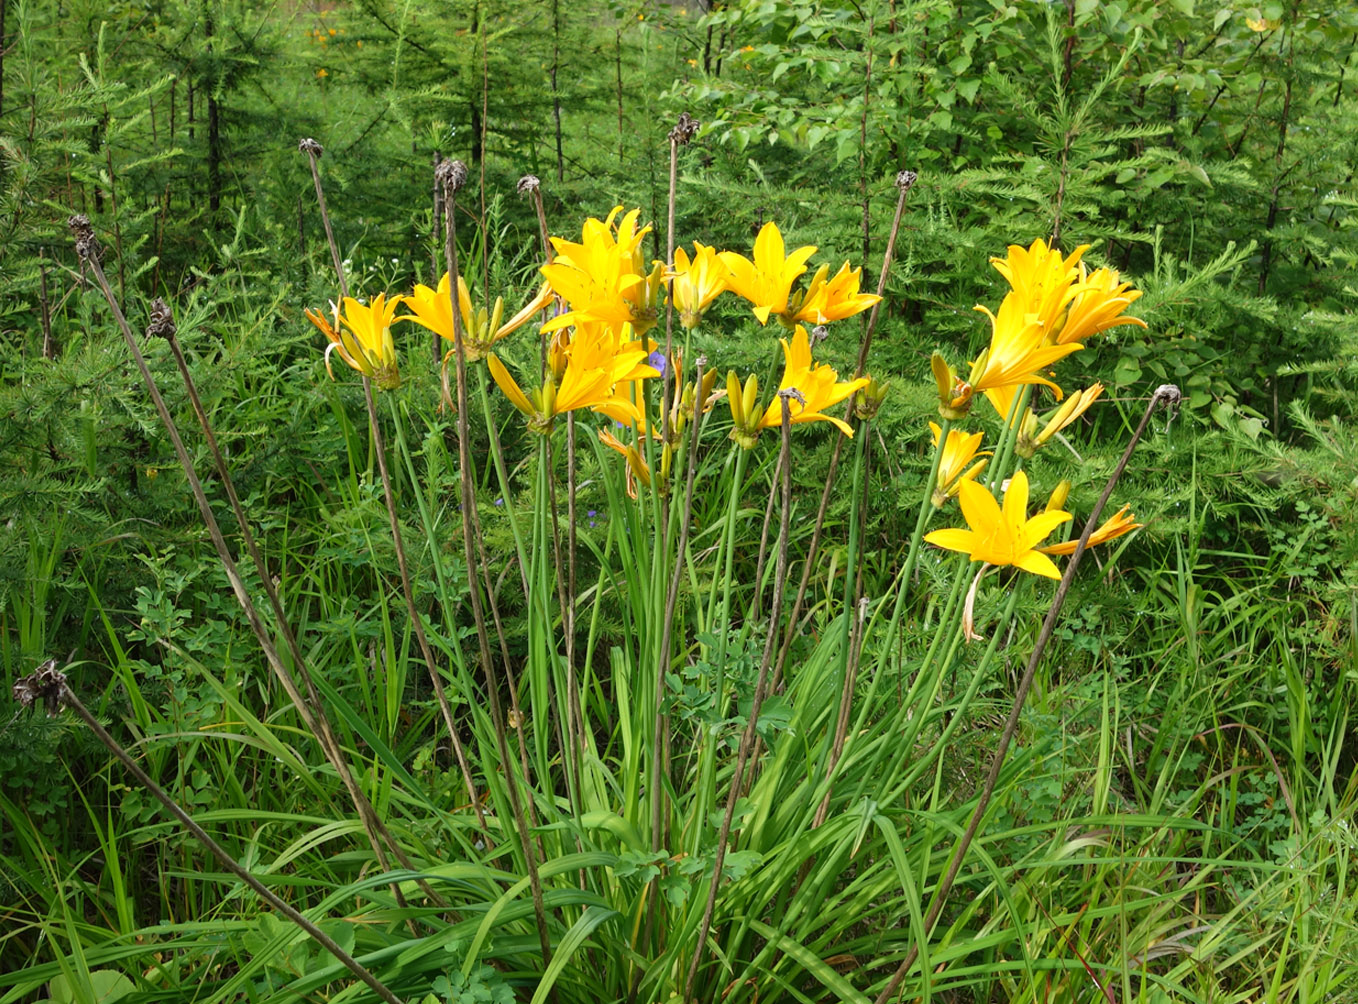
x: 767, y: 281
x: 361, y: 335
x: 1031, y: 439
x: 695, y: 282
x: 1002, y: 536
x: 590, y: 369
x: 959, y: 450
x: 815, y: 387
x: 1043, y: 282
x: 1097, y: 306
x: 824, y: 301
x: 601, y: 277
x: 1114, y: 527
x: 433, y: 309
x: 1018, y: 350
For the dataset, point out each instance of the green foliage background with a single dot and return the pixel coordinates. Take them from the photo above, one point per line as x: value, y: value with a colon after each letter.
x: 1205, y: 149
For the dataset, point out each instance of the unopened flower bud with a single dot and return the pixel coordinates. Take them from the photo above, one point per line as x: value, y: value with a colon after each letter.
x: 868, y: 401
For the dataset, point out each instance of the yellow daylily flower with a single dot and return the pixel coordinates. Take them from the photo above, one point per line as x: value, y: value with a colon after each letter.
x: 1002, y: 536
x: 1097, y: 306
x: 1018, y: 350
x: 815, y: 386
x: 695, y: 282
x: 361, y: 335
x: 829, y: 300
x: 602, y: 277
x: 1031, y: 439
x: 1043, y: 282
x: 1113, y: 527
x: 959, y: 450
x: 594, y: 369
x: 433, y: 309
x: 767, y: 281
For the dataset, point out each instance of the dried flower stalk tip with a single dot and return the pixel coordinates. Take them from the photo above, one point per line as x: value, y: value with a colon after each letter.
x: 685, y: 130
x: 310, y: 147
x: 906, y: 180
x: 451, y: 175
x: 162, y: 320
x: 86, y: 245
x: 529, y: 183
x: 45, y: 684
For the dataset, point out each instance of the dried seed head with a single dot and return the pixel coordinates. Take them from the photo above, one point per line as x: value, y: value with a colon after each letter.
x: 451, y: 175
x: 86, y: 246
x: 685, y: 130
x: 818, y: 334
x: 793, y: 394
x: 162, y: 320
x: 311, y: 148
x: 529, y: 183
x: 44, y: 684
x: 906, y: 180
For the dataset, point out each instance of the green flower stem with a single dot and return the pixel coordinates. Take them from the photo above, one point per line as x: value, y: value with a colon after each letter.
x: 502, y: 475
x: 1008, y: 437
x: 919, y: 766
x: 905, y: 724
x: 721, y: 627
x: 465, y: 681
x: 926, y: 507
x: 549, y: 538
x: 844, y: 682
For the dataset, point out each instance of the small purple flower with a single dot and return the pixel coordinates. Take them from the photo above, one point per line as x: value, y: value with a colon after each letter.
x: 657, y: 360
x: 500, y: 502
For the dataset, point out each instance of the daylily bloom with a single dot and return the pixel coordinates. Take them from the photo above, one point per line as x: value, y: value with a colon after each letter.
x: 1114, y: 527
x: 824, y: 301
x: 602, y: 276
x: 362, y: 337
x: 817, y: 387
x: 1002, y: 536
x: 433, y: 309
x: 1018, y: 350
x: 695, y: 282
x: 1097, y: 306
x: 767, y: 281
x: 591, y: 369
x: 1042, y: 280
x: 959, y: 450
x: 1031, y: 439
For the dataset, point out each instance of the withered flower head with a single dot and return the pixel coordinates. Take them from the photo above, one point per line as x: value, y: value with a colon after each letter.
x: 685, y: 130
x: 44, y: 684
x: 162, y: 320
x: 86, y: 245
x: 451, y: 175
